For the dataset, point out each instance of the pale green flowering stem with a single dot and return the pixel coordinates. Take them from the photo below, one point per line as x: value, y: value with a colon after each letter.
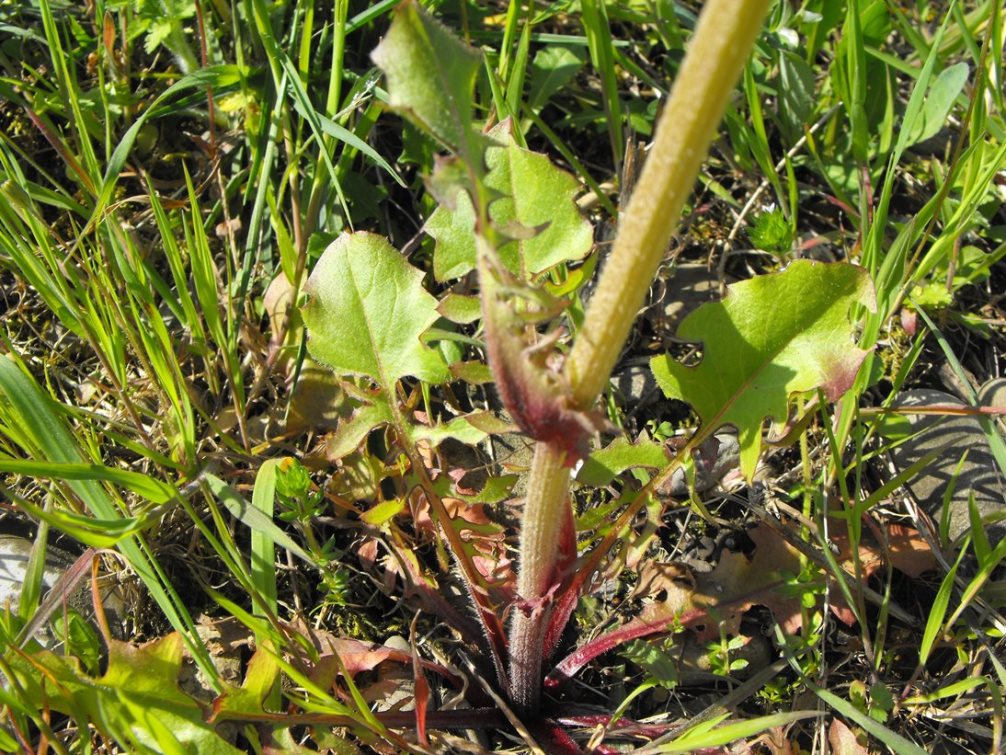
x: 725, y: 34
x: 716, y: 55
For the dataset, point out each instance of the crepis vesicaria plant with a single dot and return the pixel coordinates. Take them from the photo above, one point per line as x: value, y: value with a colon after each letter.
x: 508, y: 214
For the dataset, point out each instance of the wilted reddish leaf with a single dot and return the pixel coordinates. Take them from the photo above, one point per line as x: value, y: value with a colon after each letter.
x: 471, y: 514
x: 773, y: 562
x: 707, y: 603
x: 358, y: 656
x: 351, y: 657
x: 736, y: 584
x: 340, y: 655
x: 908, y: 550
x: 483, y: 538
x: 775, y: 741
x: 422, y: 694
x: 224, y: 636
x: 669, y: 586
x: 388, y: 569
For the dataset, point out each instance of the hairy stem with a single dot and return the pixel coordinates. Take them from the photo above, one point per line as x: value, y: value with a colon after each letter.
x: 540, y: 528
x: 726, y: 32
x: 539, y: 547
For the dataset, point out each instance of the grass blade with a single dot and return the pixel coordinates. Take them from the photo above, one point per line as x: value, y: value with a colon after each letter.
x: 263, y: 549
x: 934, y: 624
x: 893, y: 740
x: 25, y: 404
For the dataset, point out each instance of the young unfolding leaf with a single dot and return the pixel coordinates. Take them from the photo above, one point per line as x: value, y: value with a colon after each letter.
x: 431, y: 75
x: 772, y: 336
x: 367, y: 310
x: 535, y: 210
x: 536, y: 396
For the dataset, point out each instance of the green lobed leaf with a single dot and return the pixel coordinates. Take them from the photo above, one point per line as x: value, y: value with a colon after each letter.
x: 354, y: 430
x: 771, y: 232
x: 140, y: 694
x: 251, y: 696
x: 495, y: 490
x: 658, y: 665
x: 458, y: 428
x: 605, y: 464
x: 535, y: 209
x: 796, y: 90
x: 431, y: 75
x: 472, y: 372
x: 150, y: 668
x: 460, y: 308
x: 366, y: 311
x: 770, y: 337
x: 137, y: 701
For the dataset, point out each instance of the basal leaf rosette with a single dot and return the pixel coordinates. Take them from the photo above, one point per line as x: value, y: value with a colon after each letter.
x: 771, y: 337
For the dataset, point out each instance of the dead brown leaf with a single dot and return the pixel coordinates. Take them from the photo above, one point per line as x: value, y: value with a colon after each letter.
x: 737, y: 582
x: 348, y: 656
x: 906, y: 549
x: 485, y: 538
x: 277, y: 301
x: 843, y: 741
x: 318, y: 401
